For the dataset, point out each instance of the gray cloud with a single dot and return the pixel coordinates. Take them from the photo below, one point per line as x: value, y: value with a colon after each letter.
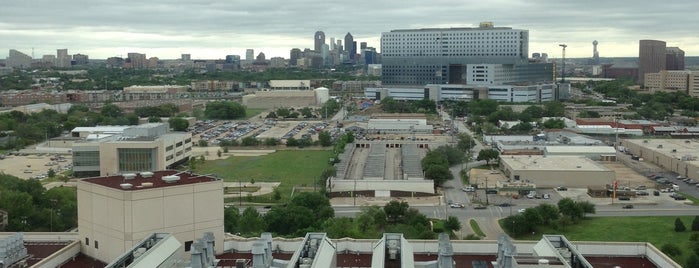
x: 204, y: 28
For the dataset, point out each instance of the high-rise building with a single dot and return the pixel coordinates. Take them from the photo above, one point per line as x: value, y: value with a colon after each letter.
x: 18, y: 59
x: 294, y: 56
x: 249, y: 55
x: 62, y: 58
x: 339, y: 45
x: 136, y: 60
x: 81, y: 59
x: 349, y: 46
x: 319, y: 40
x: 651, y: 57
x: 440, y: 56
x: 674, y: 59
x: 186, y: 57
x: 333, y: 45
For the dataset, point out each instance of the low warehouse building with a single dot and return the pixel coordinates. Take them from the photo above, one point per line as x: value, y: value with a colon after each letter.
x: 570, y: 171
x: 676, y: 155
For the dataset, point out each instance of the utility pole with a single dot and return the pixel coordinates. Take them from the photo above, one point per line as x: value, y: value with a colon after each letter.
x: 563, y: 72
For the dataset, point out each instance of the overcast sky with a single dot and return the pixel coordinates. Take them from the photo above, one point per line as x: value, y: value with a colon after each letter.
x: 212, y: 29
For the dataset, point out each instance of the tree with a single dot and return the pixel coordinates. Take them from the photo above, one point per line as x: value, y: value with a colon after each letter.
x: 316, y: 202
x: 465, y: 143
x: 276, y: 194
x: 178, y: 123
x: 340, y: 227
x: 453, y: 154
x: 111, y: 110
x: 395, y: 210
x: 553, y: 124
x: 487, y: 155
x: 250, y: 141
x: 438, y: 174
x: 549, y: 213
x: 203, y: 143
x: 292, y: 142
x: 231, y: 218
x: 695, y: 223
x: 224, y: 110
x: 434, y: 158
x: 569, y: 208
x: 554, y: 109
x: 251, y: 222
x: 324, y: 139
x: 154, y: 119
x: 679, y: 225
x: 51, y: 173
x: 452, y: 224
x: 587, y: 207
x: 289, y: 220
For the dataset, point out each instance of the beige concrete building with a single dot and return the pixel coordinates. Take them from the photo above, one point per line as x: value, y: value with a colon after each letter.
x: 670, y: 81
x: 280, y: 98
x: 148, y: 147
x: 675, y: 155
x: 553, y: 171
x: 115, y: 212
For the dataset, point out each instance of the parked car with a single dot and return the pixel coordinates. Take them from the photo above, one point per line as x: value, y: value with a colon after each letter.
x: 641, y: 193
x: 491, y: 191
x: 457, y: 205
x: 627, y: 206
x: 504, y: 205
x: 561, y: 188
x: 679, y: 197
x: 468, y: 189
x: 641, y: 187
x: 479, y: 207
x: 521, y: 210
x: 547, y: 196
x: 624, y: 198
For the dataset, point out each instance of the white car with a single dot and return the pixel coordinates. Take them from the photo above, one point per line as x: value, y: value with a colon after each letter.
x: 522, y: 210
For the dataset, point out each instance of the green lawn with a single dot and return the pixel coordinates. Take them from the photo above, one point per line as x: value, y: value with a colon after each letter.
x: 656, y: 230
x: 476, y: 228
x: 250, y: 112
x: 291, y: 168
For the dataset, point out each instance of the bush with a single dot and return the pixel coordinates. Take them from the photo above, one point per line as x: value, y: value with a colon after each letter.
x: 671, y: 250
x: 679, y: 225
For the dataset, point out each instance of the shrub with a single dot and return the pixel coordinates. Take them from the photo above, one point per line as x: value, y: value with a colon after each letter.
x: 679, y: 225
x: 671, y: 250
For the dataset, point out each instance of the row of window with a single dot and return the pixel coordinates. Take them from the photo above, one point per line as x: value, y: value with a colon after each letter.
x: 472, y: 33
x: 455, y: 55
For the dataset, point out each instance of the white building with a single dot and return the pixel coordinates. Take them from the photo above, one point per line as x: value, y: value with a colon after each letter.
x: 118, y: 211
x: 502, y: 93
x: 117, y: 149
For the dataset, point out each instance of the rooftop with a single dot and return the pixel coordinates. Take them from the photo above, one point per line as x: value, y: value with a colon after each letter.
x: 143, y: 180
x: 681, y: 149
x: 581, y: 149
x: 538, y: 162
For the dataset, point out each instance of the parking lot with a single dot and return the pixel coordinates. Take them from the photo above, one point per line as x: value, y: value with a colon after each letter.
x: 34, y: 165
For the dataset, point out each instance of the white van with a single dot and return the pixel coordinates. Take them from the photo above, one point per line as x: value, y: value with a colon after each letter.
x: 471, y: 189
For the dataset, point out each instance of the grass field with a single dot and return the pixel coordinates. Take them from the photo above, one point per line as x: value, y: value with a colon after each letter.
x: 656, y: 230
x: 291, y: 168
x: 250, y: 113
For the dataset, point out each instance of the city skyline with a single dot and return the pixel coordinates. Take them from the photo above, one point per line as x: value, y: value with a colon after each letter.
x: 212, y: 30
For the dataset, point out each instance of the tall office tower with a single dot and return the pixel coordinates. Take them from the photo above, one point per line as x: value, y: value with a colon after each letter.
x: 332, y: 43
x: 249, y: 55
x: 319, y: 40
x: 339, y: 46
x: 294, y: 55
x: 261, y: 57
x: 186, y: 57
x: 362, y: 45
x: 62, y: 58
x: 18, y: 59
x: 325, y: 53
x: 595, y: 53
x: 674, y: 59
x: 651, y: 57
x: 440, y: 56
x: 349, y: 45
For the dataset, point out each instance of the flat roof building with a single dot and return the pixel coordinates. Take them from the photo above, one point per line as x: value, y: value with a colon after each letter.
x: 116, y: 212
x: 553, y: 171
x: 117, y: 149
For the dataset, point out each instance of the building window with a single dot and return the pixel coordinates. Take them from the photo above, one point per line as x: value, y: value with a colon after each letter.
x: 136, y: 159
x: 188, y: 245
x: 179, y: 144
x: 86, y: 158
x: 169, y: 148
x: 97, y: 244
x: 87, y: 241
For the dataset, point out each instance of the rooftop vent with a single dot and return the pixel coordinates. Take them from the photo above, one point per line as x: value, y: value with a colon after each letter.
x: 147, y: 174
x: 171, y: 178
x: 126, y: 185
x: 129, y: 176
x: 146, y: 184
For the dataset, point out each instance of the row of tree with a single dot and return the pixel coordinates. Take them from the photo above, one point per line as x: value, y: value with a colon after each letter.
x: 566, y: 213
x: 311, y: 212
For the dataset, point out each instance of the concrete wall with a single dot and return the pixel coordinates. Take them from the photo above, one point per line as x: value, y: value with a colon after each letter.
x: 422, y: 186
x: 59, y: 257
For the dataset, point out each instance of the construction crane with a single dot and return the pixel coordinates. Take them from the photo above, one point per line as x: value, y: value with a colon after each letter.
x: 563, y: 71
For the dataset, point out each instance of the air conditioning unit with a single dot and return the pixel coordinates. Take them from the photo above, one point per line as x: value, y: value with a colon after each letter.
x: 129, y: 176
x: 126, y: 185
x: 147, y: 174
x: 171, y: 178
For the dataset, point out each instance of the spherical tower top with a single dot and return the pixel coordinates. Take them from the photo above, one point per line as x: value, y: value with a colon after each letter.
x: 595, y: 42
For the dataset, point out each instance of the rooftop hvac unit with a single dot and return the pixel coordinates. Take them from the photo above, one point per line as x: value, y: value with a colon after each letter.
x: 171, y: 178
x: 138, y: 252
x: 146, y: 184
x: 147, y: 174
x: 126, y: 185
x: 129, y: 176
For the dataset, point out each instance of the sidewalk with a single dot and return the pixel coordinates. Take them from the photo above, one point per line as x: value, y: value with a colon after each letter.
x: 382, y: 201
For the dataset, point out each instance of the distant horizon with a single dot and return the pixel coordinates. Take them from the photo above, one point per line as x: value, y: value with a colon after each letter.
x: 209, y: 29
